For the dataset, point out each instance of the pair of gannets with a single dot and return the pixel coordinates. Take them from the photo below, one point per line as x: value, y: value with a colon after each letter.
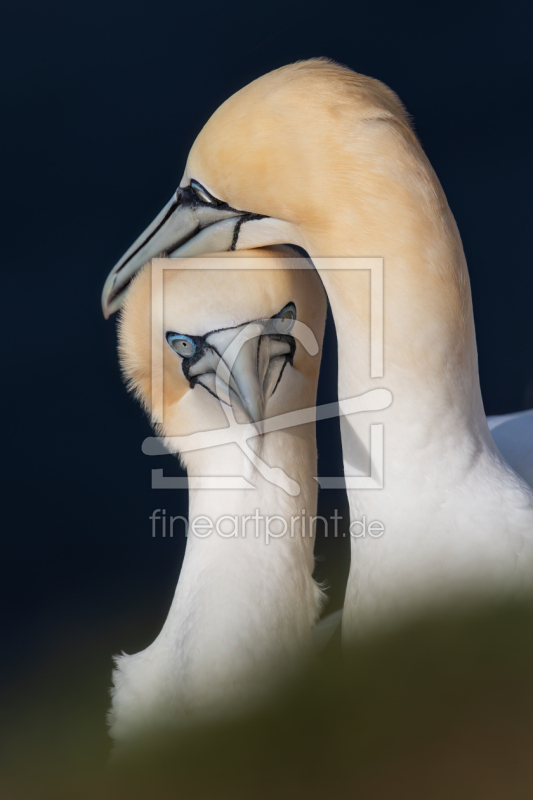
x: 317, y: 156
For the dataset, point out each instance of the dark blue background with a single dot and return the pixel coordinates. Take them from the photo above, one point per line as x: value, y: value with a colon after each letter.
x: 101, y: 102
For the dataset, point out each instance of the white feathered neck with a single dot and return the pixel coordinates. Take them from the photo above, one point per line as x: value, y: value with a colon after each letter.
x: 243, y: 609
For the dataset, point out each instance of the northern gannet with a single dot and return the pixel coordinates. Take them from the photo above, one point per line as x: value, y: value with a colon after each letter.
x: 246, y: 600
x: 316, y: 155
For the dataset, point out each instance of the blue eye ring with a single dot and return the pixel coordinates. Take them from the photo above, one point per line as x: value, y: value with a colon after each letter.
x: 183, y: 345
x: 284, y: 319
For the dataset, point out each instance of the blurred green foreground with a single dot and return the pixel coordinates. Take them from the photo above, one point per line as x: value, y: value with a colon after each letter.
x: 440, y: 708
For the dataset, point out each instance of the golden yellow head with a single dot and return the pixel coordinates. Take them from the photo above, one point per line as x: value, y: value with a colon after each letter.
x: 207, y: 302
x: 300, y: 155
x: 281, y: 144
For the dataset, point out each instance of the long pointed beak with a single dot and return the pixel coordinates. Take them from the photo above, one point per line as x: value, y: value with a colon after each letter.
x: 183, y: 228
x: 253, y: 375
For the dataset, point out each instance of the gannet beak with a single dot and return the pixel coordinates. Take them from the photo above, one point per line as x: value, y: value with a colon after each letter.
x: 187, y: 226
x: 245, y: 380
x: 245, y: 376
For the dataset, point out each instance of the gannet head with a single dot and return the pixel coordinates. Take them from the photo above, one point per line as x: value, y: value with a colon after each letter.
x: 287, y: 154
x: 243, y: 331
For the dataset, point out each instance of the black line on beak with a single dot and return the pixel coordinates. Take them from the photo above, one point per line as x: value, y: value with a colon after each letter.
x: 245, y: 218
x: 169, y: 213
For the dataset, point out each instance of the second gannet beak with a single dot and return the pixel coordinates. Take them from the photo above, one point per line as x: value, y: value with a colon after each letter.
x: 192, y: 223
x: 241, y: 366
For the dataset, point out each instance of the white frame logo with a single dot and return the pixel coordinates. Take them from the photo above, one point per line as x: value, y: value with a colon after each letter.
x: 235, y: 432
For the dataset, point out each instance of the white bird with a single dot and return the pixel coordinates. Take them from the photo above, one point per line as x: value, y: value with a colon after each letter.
x: 246, y: 600
x: 316, y: 155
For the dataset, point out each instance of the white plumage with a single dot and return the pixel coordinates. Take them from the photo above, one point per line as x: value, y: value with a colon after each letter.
x: 318, y: 156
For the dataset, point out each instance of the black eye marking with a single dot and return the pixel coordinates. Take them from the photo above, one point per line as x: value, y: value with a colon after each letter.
x: 203, y: 195
x: 190, y: 348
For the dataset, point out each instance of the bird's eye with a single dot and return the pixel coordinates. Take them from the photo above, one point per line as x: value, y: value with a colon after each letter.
x: 183, y: 345
x: 203, y: 195
x: 284, y: 321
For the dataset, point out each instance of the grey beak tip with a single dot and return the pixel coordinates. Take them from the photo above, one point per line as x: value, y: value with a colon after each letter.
x: 181, y: 229
x: 105, y: 308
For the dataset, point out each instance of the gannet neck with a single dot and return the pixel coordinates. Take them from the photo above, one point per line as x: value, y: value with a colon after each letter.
x: 456, y: 518
x: 430, y: 350
x: 244, y: 605
x: 393, y: 206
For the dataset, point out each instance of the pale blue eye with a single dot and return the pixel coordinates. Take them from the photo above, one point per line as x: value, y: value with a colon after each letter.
x: 183, y: 345
x: 284, y: 321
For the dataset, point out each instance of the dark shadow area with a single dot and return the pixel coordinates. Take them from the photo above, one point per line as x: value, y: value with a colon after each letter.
x: 440, y: 707
x: 332, y: 543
